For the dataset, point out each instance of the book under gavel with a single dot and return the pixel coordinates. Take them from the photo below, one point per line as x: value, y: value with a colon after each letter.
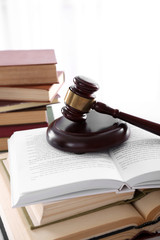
x: 88, y: 125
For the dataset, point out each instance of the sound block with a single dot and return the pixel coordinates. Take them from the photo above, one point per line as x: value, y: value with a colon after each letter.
x: 97, y: 133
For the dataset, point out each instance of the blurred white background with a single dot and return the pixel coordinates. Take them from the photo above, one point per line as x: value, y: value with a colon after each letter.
x: 114, y: 42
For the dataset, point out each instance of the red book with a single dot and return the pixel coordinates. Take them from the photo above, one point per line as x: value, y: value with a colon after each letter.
x: 7, y: 131
x: 26, y: 67
x: 27, y: 57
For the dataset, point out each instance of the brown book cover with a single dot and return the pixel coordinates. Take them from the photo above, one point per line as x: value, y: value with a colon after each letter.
x: 35, y: 115
x: 39, y: 93
x: 3, y: 144
x: 18, y: 67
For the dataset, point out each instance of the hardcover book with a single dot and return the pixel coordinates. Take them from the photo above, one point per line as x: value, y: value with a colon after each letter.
x: 8, y: 106
x: 42, y: 93
x: 25, y: 67
x: 53, y: 175
x: 27, y: 116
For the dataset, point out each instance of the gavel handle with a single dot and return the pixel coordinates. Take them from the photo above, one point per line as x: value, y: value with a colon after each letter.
x: 139, y: 122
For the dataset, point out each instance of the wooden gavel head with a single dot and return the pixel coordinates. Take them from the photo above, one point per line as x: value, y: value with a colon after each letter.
x: 79, y: 99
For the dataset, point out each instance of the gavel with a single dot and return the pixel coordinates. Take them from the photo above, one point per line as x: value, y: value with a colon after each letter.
x: 80, y: 99
x: 90, y: 126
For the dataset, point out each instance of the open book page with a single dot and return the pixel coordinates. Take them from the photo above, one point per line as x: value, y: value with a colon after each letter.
x: 35, y: 165
x: 138, y: 156
x: 149, y: 206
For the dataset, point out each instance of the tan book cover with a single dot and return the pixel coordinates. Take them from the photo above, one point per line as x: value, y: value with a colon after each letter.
x: 35, y: 115
x: 9, y: 106
x: 39, y: 93
x: 3, y: 144
x: 42, y: 214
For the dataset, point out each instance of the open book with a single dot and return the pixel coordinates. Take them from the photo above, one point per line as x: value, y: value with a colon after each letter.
x: 46, y: 213
x: 41, y: 173
x: 113, y: 223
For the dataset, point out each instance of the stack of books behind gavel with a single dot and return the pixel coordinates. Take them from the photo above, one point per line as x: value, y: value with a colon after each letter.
x: 29, y: 81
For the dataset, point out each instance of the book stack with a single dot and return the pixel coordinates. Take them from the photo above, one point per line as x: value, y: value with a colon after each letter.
x: 123, y: 221
x: 29, y: 82
x: 110, y: 195
x: 48, y: 194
